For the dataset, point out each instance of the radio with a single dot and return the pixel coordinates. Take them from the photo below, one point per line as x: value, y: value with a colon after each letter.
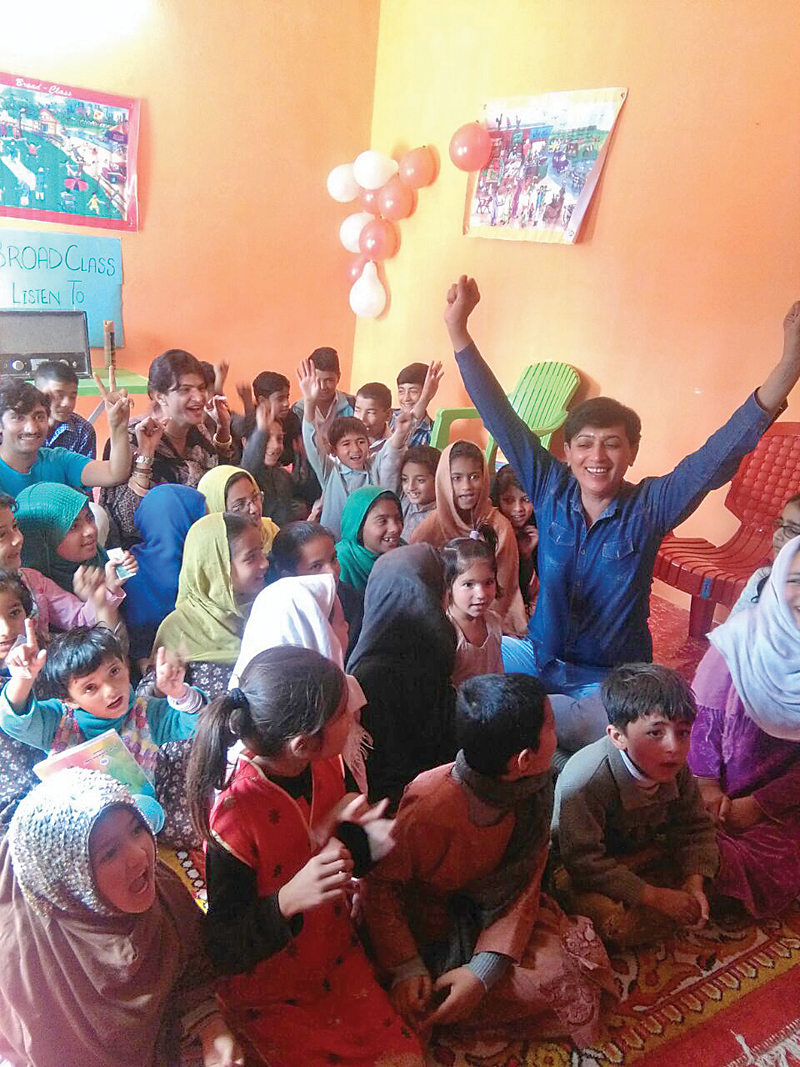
x: 28, y: 338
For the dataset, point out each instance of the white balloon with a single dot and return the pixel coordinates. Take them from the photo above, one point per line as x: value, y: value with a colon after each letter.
x: 350, y: 230
x: 368, y: 297
x: 374, y: 169
x: 342, y: 184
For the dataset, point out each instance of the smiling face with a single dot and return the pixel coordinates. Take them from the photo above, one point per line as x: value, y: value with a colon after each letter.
x: 318, y: 556
x: 382, y: 527
x: 793, y: 588
x: 105, y: 692
x: 185, y: 403
x: 466, y: 474
x: 242, y: 497
x: 10, y: 541
x: 63, y: 398
x: 789, y: 527
x: 273, y: 450
x: 408, y: 394
x: 352, y: 449
x: 374, y: 416
x: 23, y: 435
x: 473, y: 591
x: 516, y: 506
x: 122, y: 853
x: 419, y: 484
x: 249, y: 563
x: 657, y: 745
x: 80, y: 542
x: 599, y: 458
x: 12, y: 620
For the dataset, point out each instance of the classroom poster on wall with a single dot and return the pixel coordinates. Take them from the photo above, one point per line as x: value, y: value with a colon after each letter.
x: 41, y: 271
x: 548, y: 153
x: 67, y: 154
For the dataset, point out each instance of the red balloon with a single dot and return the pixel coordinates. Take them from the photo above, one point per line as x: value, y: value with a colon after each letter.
x: 395, y: 200
x: 355, y: 268
x: 471, y: 146
x: 418, y: 167
x: 378, y: 240
x: 368, y: 200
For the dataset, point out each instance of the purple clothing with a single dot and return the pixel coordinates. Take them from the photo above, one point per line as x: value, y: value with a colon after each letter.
x: 760, y: 866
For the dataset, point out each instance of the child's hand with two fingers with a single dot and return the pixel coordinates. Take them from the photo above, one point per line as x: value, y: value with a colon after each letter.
x: 26, y: 660
x: 170, y: 674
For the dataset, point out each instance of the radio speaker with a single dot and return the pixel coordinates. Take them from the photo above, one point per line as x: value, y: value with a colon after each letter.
x: 28, y: 338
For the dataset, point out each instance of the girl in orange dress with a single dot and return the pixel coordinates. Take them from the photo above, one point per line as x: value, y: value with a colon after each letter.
x: 283, y: 843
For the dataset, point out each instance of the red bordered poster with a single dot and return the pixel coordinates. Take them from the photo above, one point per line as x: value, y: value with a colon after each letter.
x: 67, y: 154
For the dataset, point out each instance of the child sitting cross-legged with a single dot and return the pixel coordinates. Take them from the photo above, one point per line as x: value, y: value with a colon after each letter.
x: 456, y: 912
x: 634, y: 838
x: 87, y: 671
x: 344, y: 463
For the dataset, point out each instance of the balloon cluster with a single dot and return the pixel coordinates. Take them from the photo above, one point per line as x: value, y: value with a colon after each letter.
x: 385, y: 191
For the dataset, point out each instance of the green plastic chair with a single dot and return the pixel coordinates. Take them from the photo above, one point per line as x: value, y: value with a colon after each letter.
x: 540, y: 398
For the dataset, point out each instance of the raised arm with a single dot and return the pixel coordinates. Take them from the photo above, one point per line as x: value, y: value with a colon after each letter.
x: 784, y: 375
x: 116, y: 469
x: 521, y: 448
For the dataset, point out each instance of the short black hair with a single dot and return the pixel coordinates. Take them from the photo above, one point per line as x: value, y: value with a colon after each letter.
x: 637, y: 689
x: 466, y: 450
x: 425, y: 455
x: 21, y: 397
x: 77, y: 653
x: 289, y: 541
x: 326, y: 359
x: 413, y: 374
x: 347, y: 424
x: 497, y: 716
x: 376, y: 391
x: 268, y: 382
x: 56, y: 370
x: 167, y: 370
x: 209, y: 374
x: 11, y: 582
x: 602, y: 412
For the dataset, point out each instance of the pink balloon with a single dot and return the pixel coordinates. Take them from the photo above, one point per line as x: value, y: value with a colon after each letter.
x: 395, y: 200
x: 355, y: 268
x: 471, y: 146
x: 418, y: 167
x: 368, y: 199
x: 378, y: 240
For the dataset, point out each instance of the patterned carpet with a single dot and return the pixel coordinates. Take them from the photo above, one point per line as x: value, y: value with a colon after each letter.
x: 727, y: 996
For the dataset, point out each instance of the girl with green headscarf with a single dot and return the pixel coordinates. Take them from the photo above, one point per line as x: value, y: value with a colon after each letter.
x: 223, y: 570
x: 59, y: 530
x: 372, y: 522
x: 235, y: 490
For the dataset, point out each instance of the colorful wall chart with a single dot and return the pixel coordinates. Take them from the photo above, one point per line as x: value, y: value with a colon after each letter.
x: 67, y: 154
x: 42, y: 271
x: 547, y: 156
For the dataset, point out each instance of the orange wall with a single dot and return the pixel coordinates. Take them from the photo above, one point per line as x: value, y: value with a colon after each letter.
x: 246, y: 107
x: 673, y: 299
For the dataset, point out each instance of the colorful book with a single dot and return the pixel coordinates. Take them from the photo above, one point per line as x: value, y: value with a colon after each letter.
x: 105, y: 753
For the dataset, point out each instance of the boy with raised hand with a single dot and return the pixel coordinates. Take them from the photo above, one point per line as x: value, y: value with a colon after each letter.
x: 417, y: 385
x: 456, y: 912
x: 373, y: 406
x: 24, y: 458
x: 331, y: 403
x: 58, y: 381
x: 341, y: 458
x: 634, y: 838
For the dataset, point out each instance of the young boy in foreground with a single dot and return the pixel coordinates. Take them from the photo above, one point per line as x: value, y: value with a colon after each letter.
x: 634, y: 838
x: 455, y: 912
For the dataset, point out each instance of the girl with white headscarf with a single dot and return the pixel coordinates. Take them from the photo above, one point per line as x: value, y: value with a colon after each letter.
x: 745, y: 747
x: 101, y: 947
x: 305, y: 612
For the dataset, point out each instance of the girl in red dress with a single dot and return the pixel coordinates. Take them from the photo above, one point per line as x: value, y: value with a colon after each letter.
x: 283, y: 843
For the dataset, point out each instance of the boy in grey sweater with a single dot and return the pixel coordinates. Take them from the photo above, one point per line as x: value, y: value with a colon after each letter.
x: 629, y: 824
x: 343, y: 462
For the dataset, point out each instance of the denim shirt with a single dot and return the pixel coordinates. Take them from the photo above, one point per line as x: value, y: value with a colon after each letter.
x: 595, y: 580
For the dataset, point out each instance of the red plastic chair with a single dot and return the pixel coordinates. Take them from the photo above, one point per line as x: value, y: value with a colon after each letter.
x: 766, y: 478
